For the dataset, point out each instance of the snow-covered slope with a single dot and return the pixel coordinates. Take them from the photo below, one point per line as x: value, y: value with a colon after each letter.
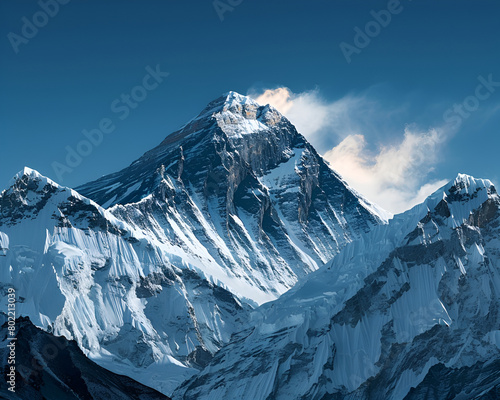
x: 409, y: 311
x: 239, y: 188
x: 133, y: 304
x: 225, y: 214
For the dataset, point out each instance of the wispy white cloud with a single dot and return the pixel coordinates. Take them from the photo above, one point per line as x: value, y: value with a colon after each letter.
x: 321, y: 121
x: 307, y: 111
x: 395, y: 174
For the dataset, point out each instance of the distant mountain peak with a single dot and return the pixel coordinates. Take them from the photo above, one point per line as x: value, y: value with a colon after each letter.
x: 465, y: 193
x: 229, y: 100
x: 231, y: 121
x: 233, y: 113
x: 30, y: 182
x: 26, y: 187
x: 467, y: 184
x: 29, y: 193
x: 30, y: 174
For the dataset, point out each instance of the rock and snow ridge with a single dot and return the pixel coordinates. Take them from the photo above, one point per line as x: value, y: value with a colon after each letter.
x: 409, y: 311
x: 131, y: 303
x: 225, y: 214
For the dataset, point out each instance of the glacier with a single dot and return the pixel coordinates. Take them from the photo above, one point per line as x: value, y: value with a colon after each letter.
x: 406, y: 305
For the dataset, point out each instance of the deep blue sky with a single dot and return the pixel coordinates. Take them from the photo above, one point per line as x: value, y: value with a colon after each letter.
x: 64, y: 79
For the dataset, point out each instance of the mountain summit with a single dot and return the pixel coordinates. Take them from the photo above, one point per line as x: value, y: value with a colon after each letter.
x: 229, y: 117
x: 263, y: 205
x: 234, y: 113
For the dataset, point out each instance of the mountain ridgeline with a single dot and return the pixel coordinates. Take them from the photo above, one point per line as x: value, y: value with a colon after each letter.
x: 231, y: 262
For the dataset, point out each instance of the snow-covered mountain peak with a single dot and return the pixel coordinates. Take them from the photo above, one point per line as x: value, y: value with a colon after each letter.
x: 32, y: 196
x: 454, y: 203
x: 236, y: 115
x: 26, y: 195
x: 243, y: 115
x: 29, y: 185
x: 257, y: 195
x: 230, y: 100
x: 466, y: 185
x: 232, y: 129
x: 232, y: 114
x: 28, y: 174
x: 233, y: 98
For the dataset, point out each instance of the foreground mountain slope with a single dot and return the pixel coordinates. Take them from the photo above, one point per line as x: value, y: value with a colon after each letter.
x: 240, y: 188
x: 50, y: 367
x: 415, y: 303
x: 134, y: 305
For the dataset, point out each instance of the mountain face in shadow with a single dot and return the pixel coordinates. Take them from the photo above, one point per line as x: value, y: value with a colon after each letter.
x: 50, y: 367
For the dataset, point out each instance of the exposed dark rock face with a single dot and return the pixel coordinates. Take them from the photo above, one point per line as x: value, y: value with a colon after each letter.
x: 50, y: 367
x: 480, y: 381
